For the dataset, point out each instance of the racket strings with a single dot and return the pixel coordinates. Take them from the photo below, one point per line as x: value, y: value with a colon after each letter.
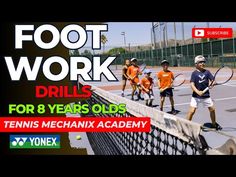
x: 142, y: 67
x: 178, y: 80
x: 223, y: 75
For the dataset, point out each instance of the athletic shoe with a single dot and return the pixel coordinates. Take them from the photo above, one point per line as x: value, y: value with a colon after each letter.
x: 217, y: 127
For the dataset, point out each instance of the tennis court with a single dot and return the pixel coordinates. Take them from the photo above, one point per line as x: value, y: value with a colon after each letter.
x: 224, y: 99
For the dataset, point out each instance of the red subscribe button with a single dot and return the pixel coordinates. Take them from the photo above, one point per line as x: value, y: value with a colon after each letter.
x: 212, y: 32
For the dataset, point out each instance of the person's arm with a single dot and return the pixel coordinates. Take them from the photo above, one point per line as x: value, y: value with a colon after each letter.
x: 145, y: 89
x: 159, y: 85
x: 200, y: 93
x: 142, y: 86
x: 128, y: 73
x: 123, y: 72
x: 136, y: 75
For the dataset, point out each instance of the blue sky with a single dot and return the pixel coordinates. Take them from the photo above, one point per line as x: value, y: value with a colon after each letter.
x: 135, y: 33
x: 139, y: 33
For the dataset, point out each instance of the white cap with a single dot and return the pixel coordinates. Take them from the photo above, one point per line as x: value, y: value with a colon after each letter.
x: 133, y: 59
x: 199, y: 58
x: 164, y: 61
x: 147, y: 71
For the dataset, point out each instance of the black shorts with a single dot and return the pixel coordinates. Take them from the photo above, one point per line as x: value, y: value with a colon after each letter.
x: 168, y: 92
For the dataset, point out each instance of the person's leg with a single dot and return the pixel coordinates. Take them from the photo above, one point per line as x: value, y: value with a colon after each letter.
x: 192, y: 108
x: 151, y: 98
x: 146, y: 98
x: 212, y: 115
x: 133, y: 90
x: 172, y: 103
x: 162, y: 102
x: 139, y: 91
x: 191, y: 112
x: 150, y: 102
x: 209, y: 103
x: 123, y: 87
x: 173, y: 111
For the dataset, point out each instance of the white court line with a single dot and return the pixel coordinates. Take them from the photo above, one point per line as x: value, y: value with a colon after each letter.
x: 155, y: 89
x: 218, y: 99
x: 185, y: 86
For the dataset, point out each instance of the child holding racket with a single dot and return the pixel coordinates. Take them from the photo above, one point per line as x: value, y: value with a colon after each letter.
x: 132, y: 73
x: 147, y: 85
x: 165, y: 80
x: 199, y: 82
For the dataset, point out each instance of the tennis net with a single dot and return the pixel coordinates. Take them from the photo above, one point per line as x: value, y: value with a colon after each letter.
x: 169, y: 134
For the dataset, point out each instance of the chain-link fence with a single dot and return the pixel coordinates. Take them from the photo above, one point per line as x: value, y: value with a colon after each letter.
x: 217, y: 52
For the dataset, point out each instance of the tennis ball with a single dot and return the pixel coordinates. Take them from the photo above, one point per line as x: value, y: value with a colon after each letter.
x: 78, y: 137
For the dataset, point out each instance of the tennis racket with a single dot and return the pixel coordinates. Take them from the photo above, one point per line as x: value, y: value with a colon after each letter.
x: 222, y: 76
x: 178, y: 80
x: 142, y: 67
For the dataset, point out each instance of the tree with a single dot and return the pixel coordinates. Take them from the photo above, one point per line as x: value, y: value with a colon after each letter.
x: 115, y: 51
x: 104, y: 41
x: 75, y: 53
x: 86, y: 52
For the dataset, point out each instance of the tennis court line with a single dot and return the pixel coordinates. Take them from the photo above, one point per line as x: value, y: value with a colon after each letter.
x: 185, y: 86
x: 218, y: 99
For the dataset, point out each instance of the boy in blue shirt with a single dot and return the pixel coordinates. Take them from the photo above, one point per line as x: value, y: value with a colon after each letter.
x: 199, y: 81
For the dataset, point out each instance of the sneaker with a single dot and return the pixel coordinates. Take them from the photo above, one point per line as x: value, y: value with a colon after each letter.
x: 140, y: 98
x: 122, y: 94
x: 174, y: 112
x: 217, y: 126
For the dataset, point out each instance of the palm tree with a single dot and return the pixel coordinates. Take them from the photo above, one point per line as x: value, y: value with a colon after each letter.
x: 103, y: 40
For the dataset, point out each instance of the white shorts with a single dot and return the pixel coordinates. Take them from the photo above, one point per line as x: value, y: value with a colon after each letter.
x: 148, y: 96
x: 207, y: 102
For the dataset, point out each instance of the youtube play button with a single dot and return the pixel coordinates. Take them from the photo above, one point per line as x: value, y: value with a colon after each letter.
x: 199, y: 33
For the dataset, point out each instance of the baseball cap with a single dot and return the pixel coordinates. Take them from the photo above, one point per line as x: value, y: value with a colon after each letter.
x: 133, y: 59
x: 164, y: 61
x: 199, y: 58
x: 147, y: 71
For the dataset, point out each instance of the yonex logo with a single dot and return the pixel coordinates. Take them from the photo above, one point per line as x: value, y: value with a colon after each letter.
x: 20, y: 141
x: 34, y: 141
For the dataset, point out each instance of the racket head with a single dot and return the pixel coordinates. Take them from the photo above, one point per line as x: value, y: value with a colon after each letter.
x: 179, y: 80
x: 223, y: 75
x: 155, y: 79
x: 142, y: 67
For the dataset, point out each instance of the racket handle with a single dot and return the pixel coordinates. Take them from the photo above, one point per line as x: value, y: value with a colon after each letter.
x: 205, y: 90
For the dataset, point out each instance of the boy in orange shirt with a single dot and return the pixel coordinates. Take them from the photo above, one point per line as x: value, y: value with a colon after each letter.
x: 147, y: 85
x: 132, y: 73
x: 165, y: 79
